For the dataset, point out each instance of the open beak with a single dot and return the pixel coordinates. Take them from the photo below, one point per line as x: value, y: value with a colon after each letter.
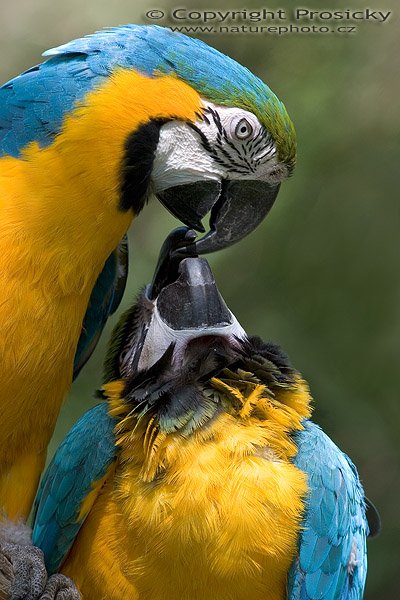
x: 184, y: 303
x: 184, y: 288
x: 237, y: 208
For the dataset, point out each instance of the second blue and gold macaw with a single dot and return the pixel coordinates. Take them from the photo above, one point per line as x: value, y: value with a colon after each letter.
x: 200, y: 476
x: 85, y: 137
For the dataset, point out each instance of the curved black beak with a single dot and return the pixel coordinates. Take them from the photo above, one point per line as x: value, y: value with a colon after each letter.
x: 191, y: 202
x: 193, y: 300
x: 167, y: 268
x: 237, y: 208
x: 184, y: 288
x: 181, y: 304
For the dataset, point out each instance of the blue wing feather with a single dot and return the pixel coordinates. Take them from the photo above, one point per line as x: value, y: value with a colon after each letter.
x: 332, y: 560
x: 104, y: 301
x: 83, y: 458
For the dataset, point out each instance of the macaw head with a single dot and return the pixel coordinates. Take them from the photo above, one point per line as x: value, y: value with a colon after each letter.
x: 181, y: 309
x: 141, y: 110
x: 179, y: 340
x: 226, y: 157
x: 225, y: 162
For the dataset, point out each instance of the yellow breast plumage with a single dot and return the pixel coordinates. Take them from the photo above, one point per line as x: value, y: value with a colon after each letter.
x: 217, y: 510
x: 59, y: 221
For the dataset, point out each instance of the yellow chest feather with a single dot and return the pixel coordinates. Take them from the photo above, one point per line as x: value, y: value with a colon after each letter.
x: 59, y: 221
x: 218, y: 518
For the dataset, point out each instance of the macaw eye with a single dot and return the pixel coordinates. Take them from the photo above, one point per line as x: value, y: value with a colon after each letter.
x: 243, y: 129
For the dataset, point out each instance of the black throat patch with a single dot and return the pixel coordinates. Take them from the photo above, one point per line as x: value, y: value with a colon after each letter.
x: 175, y: 398
x: 140, y: 148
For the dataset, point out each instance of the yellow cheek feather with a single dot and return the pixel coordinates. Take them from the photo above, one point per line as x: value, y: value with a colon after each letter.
x: 59, y: 221
x: 90, y: 148
x: 215, y: 515
x: 66, y: 195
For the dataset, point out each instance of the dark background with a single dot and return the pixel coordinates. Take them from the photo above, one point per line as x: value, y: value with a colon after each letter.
x: 320, y: 275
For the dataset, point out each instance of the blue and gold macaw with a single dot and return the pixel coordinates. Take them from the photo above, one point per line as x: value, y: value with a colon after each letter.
x: 201, y: 475
x: 85, y: 137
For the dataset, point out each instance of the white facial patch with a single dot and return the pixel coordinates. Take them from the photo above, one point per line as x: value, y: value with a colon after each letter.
x: 160, y: 336
x: 228, y: 143
x: 180, y: 158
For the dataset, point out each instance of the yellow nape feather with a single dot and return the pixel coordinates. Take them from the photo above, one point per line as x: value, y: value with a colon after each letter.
x: 213, y: 515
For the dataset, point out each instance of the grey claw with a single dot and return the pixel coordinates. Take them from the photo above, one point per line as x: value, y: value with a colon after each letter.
x: 23, y: 574
x: 6, y: 577
x: 23, y: 571
x: 60, y: 587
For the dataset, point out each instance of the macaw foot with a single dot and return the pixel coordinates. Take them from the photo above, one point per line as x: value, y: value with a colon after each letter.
x: 60, y: 587
x: 6, y: 577
x: 23, y: 574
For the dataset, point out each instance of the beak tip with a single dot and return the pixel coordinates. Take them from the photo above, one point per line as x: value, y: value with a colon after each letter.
x: 237, y: 208
x: 200, y: 228
x: 245, y: 205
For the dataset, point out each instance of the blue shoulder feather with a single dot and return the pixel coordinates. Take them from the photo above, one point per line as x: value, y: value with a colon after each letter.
x: 332, y: 559
x: 83, y: 458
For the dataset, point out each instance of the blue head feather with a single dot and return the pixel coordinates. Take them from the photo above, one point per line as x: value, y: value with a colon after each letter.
x: 33, y: 105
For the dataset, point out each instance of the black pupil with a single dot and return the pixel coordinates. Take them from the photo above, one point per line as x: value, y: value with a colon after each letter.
x: 243, y: 129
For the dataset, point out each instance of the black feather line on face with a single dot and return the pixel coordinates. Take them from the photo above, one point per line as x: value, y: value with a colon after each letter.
x: 240, y: 151
x: 216, y: 119
x: 235, y: 158
x: 140, y: 148
x: 204, y: 140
